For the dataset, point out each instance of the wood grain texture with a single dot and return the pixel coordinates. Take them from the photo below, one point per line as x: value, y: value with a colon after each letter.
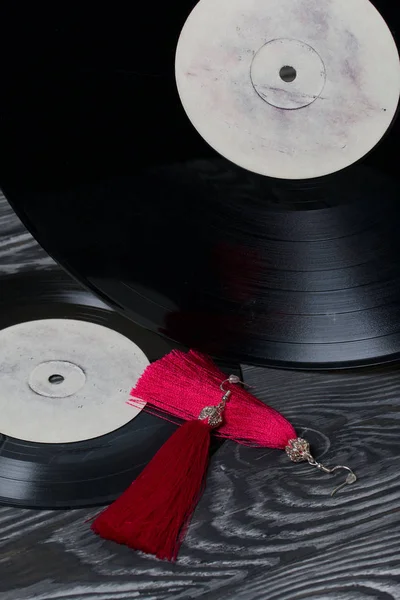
x: 265, y: 529
x: 19, y: 252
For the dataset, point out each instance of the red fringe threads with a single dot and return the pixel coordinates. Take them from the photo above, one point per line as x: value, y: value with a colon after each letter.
x: 155, y: 511
x: 181, y: 384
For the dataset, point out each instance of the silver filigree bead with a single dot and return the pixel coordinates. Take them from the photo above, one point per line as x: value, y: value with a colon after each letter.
x: 298, y: 450
x: 213, y: 415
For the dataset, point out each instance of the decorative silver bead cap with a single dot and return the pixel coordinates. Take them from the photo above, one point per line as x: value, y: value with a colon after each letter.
x: 298, y: 450
x: 213, y: 416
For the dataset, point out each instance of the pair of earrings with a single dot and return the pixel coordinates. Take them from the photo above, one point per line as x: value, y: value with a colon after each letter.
x: 154, y: 512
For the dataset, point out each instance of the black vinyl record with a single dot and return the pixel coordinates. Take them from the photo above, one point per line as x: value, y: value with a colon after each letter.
x: 85, y: 473
x: 102, y: 164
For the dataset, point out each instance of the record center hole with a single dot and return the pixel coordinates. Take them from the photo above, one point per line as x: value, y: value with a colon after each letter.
x: 56, y: 379
x: 288, y: 74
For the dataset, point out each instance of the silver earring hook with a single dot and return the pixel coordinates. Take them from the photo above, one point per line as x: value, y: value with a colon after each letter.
x: 234, y: 379
x: 298, y: 450
x: 350, y: 479
x: 213, y: 414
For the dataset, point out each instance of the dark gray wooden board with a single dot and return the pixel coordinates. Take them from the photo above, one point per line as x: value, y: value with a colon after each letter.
x: 265, y: 528
x: 19, y: 252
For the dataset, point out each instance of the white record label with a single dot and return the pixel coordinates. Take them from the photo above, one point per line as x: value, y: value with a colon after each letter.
x: 291, y: 89
x: 65, y: 381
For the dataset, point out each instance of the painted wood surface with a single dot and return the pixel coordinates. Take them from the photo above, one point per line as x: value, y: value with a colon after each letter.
x: 265, y: 529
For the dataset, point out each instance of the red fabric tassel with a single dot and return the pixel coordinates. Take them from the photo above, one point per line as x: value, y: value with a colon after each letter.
x: 181, y: 384
x: 154, y: 512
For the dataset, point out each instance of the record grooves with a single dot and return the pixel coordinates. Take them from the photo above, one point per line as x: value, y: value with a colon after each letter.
x: 140, y: 209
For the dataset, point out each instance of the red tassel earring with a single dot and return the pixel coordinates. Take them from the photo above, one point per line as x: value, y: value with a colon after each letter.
x: 155, y: 511
x: 153, y: 514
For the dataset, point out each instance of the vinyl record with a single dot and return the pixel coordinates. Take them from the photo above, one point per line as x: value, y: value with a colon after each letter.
x: 68, y: 438
x: 103, y: 165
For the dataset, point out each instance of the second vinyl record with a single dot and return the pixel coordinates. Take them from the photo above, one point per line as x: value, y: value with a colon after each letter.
x: 67, y: 437
x: 101, y: 162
